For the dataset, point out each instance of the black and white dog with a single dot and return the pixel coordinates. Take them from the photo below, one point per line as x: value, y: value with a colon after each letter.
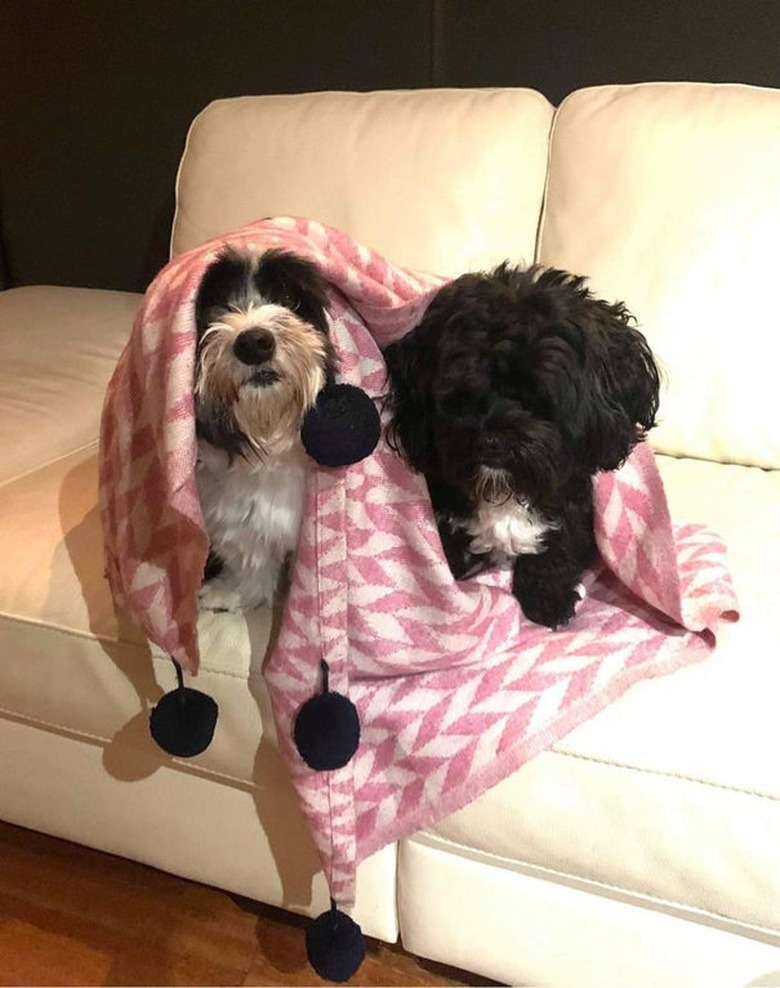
x: 517, y: 386
x: 262, y: 356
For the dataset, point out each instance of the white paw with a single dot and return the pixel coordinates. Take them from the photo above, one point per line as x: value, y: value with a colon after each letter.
x: 227, y: 592
x: 216, y: 595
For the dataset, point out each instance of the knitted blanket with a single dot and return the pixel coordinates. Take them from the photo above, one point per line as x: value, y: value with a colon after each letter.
x: 455, y: 689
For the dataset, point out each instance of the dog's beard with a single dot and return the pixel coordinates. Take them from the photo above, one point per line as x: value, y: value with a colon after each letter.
x: 264, y: 402
x: 493, y: 486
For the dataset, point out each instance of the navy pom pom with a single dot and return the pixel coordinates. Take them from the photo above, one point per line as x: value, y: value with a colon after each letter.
x: 183, y: 721
x: 327, y: 729
x: 335, y: 945
x: 342, y: 428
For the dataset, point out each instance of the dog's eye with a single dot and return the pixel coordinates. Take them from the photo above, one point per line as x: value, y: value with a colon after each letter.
x: 462, y: 404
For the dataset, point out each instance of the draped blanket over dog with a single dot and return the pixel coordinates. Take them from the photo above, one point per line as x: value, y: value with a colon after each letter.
x: 455, y: 689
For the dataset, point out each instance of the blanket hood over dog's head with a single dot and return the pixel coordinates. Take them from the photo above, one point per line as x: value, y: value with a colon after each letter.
x: 155, y: 540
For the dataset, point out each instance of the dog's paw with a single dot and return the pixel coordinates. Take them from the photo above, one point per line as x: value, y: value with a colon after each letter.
x: 554, y: 607
x: 225, y: 593
x: 214, y: 595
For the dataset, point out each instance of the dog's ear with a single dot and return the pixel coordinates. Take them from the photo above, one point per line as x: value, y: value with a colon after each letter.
x: 410, y: 363
x: 224, y: 282
x: 555, y: 363
x: 621, y: 386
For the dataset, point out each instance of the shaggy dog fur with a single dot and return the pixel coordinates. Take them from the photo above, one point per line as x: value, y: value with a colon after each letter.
x: 517, y: 386
x: 263, y: 354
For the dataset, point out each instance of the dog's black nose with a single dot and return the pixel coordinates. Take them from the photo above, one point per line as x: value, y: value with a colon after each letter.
x: 254, y: 346
x: 492, y: 450
x: 492, y: 444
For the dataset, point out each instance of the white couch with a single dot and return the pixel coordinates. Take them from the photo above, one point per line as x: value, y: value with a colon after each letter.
x: 644, y: 848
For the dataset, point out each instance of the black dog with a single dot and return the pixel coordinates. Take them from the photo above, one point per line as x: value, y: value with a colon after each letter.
x: 517, y: 386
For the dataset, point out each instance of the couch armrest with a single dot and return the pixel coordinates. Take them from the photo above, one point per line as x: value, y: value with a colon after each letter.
x: 58, y: 347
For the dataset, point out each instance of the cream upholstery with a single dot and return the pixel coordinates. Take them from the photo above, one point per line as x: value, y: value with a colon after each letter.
x: 641, y: 849
x: 61, y: 344
x: 562, y: 930
x: 666, y: 196
x: 433, y: 177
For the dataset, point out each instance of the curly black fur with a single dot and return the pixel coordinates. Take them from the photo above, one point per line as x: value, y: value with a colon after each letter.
x: 525, y: 372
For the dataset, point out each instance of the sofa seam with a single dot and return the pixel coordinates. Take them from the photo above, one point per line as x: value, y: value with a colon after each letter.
x: 102, y: 739
x: 250, y: 675
x: 92, y: 444
x: 145, y: 648
x: 177, y: 183
x: 425, y: 837
x: 546, y: 190
x: 254, y: 675
x: 528, y: 867
x: 666, y: 773
x: 52, y: 725
x: 72, y: 632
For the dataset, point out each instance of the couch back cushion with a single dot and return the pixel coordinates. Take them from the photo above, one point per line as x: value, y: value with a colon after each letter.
x: 441, y: 180
x: 668, y: 197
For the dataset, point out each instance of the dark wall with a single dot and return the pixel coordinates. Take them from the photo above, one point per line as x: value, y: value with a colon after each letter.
x: 563, y: 45
x: 96, y: 95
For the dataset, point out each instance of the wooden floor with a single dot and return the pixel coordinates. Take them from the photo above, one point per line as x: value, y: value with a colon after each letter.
x: 73, y: 916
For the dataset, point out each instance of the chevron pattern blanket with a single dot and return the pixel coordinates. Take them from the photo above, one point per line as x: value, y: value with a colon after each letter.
x: 454, y: 688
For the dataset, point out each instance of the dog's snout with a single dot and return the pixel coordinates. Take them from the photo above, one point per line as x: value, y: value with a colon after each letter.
x: 491, y: 443
x: 492, y: 449
x: 254, y: 346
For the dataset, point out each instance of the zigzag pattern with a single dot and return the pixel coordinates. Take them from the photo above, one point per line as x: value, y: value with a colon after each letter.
x: 454, y: 688
x: 154, y: 538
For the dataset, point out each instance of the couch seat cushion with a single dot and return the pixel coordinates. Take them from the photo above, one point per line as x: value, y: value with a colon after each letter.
x: 82, y: 680
x: 671, y: 795
x: 69, y: 659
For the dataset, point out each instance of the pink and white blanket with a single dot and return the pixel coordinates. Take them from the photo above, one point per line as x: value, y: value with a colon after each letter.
x: 454, y: 688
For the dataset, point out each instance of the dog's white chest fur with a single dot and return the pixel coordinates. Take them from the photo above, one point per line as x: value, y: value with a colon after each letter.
x: 252, y: 510
x: 511, y: 528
